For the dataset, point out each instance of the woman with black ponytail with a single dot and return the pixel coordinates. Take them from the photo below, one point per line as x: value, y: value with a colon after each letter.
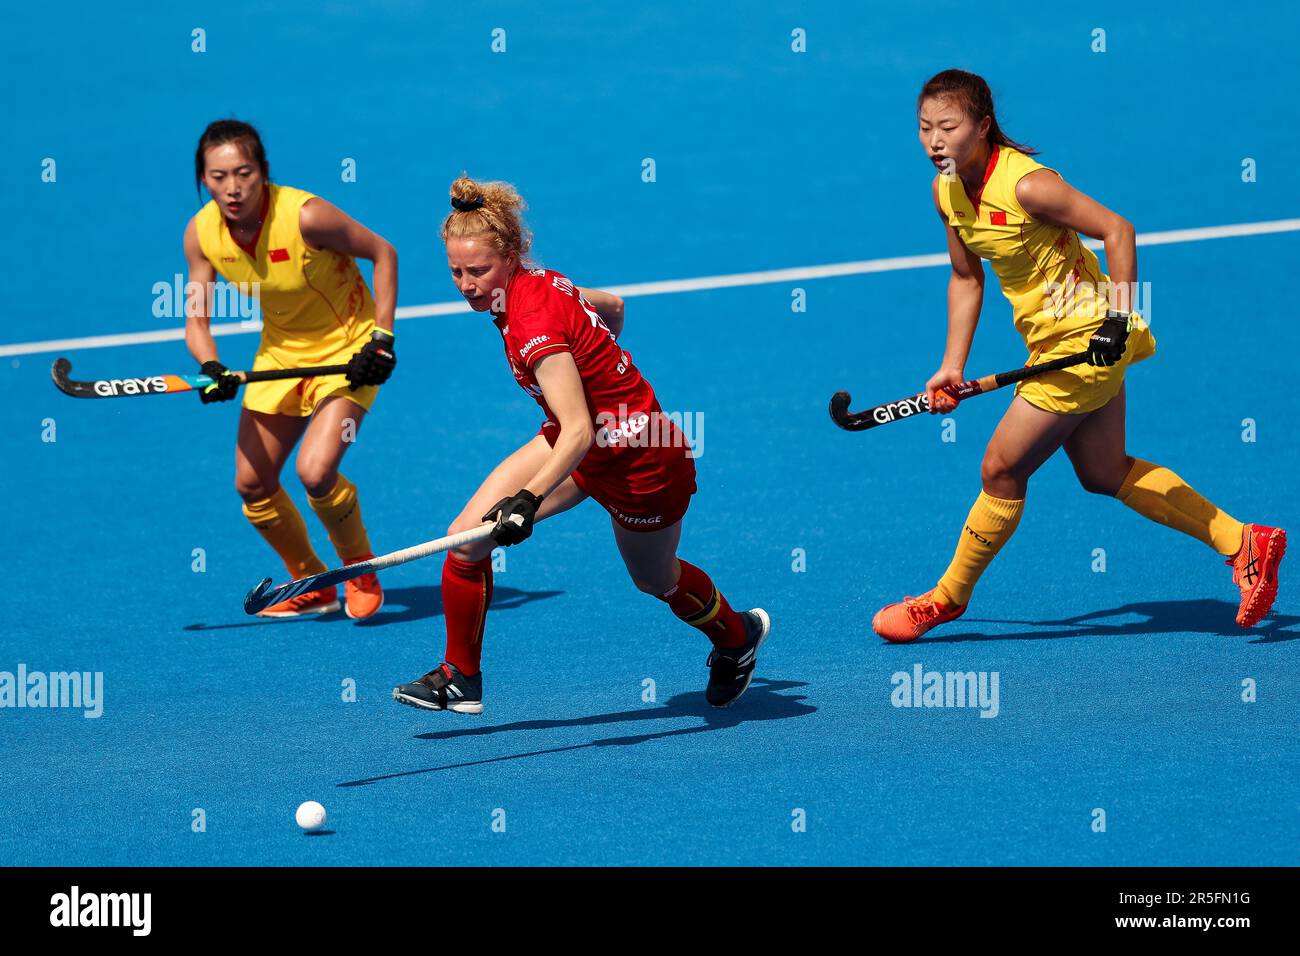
x: 297, y: 254
x: 997, y: 203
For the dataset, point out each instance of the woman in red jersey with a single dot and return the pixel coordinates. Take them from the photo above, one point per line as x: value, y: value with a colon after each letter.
x: 604, y: 437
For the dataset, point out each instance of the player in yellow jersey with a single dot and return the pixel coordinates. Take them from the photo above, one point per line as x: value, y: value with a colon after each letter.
x: 998, y: 204
x: 297, y: 254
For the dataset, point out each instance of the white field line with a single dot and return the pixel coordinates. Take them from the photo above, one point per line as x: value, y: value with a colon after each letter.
x: 798, y: 274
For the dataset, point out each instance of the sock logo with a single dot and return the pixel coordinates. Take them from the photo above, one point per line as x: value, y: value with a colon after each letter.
x: 978, y: 537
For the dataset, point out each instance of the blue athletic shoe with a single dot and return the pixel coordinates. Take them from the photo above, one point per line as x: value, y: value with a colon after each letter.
x: 731, y: 669
x: 443, y: 688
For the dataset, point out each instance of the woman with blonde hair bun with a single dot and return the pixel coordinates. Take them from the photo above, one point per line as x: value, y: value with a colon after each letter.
x: 604, y: 437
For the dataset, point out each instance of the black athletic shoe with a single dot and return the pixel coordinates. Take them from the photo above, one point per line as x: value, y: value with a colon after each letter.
x: 443, y: 688
x: 731, y: 669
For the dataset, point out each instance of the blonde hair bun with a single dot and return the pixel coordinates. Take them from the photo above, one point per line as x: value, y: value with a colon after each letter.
x: 488, y: 209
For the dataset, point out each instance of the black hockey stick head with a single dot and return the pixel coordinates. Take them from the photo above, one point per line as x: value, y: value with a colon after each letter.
x: 59, y: 371
x: 256, y: 599
x: 842, y: 417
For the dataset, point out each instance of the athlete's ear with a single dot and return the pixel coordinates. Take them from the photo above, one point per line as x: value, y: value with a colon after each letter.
x: 985, y: 124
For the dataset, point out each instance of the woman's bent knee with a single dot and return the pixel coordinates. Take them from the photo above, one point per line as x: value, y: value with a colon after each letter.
x: 317, y: 477
x: 250, y: 488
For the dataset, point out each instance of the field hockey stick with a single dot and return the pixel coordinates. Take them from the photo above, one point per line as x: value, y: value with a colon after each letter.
x: 166, y: 384
x: 263, y: 596
x: 906, y: 407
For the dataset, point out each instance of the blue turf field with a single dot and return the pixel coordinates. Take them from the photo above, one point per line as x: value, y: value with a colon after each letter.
x: 1119, y: 690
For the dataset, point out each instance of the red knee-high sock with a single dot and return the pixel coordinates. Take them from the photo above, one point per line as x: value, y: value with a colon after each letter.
x: 696, y: 601
x: 466, y: 594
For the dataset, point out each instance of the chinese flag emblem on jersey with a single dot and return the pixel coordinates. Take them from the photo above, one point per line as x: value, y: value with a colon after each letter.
x: 997, y: 218
x: 279, y: 255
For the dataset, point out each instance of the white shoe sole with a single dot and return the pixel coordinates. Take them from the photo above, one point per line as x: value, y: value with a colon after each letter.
x: 466, y: 708
x: 322, y: 609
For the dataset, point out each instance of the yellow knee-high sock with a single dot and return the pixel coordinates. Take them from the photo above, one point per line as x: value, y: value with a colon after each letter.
x: 282, y: 526
x: 340, y: 512
x: 1159, y: 494
x: 989, y: 525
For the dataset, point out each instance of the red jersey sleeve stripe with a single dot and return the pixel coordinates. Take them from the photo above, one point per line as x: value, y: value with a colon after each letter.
x: 546, y: 350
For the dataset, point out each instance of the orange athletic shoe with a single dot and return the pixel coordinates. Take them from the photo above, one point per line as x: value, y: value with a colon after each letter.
x: 364, y: 595
x: 1254, y: 570
x: 324, y: 601
x: 912, y: 617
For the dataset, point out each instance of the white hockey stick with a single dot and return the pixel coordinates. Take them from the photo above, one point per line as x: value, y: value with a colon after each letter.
x: 263, y: 596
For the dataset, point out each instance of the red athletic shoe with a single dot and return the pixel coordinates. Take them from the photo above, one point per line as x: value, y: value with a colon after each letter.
x: 363, y: 596
x: 324, y: 601
x: 912, y: 617
x: 1254, y: 570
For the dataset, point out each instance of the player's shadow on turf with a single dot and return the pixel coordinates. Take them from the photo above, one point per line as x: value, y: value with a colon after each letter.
x: 761, y: 702
x: 1202, y: 616
x: 406, y: 604
x: 426, y: 601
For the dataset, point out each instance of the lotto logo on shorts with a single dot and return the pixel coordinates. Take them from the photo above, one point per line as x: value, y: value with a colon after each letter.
x: 627, y: 429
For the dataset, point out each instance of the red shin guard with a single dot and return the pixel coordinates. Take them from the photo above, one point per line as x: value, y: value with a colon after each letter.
x: 466, y: 594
